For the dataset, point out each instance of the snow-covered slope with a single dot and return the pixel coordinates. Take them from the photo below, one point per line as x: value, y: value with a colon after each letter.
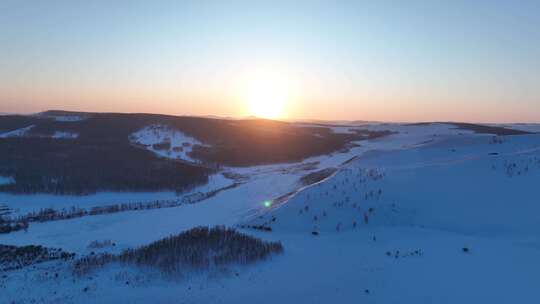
x: 166, y: 142
x: 465, y: 185
x: 431, y: 214
x: 16, y: 133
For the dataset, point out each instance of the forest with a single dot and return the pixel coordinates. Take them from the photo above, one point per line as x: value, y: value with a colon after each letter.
x: 200, y: 248
x: 101, y: 157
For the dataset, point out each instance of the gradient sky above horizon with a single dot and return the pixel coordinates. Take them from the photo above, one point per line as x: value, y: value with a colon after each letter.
x: 368, y: 60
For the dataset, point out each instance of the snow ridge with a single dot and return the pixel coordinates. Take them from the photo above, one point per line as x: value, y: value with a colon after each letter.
x: 17, y: 133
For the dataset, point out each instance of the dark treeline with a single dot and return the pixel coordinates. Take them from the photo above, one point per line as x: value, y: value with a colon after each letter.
x: 100, y: 159
x: 476, y: 128
x: 317, y: 176
x: 70, y: 167
x: 483, y: 129
x: 196, y: 249
x: 8, y: 224
x: 256, y: 142
x: 13, y: 257
x: 50, y: 214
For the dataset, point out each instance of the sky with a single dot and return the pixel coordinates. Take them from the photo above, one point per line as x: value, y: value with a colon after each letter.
x: 475, y: 61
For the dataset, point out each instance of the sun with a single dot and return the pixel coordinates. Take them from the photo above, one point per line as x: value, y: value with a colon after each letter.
x: 266, y: 98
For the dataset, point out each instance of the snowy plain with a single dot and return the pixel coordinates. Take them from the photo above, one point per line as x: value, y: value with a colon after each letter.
x: 391, y: 224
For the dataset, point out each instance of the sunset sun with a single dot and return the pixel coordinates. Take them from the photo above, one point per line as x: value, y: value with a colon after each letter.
x: 267, y: 97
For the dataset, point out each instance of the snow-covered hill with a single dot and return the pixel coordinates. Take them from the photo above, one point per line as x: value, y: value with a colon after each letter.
x: 467, y: 185
x: 430, y: 214
x: 166, y: 142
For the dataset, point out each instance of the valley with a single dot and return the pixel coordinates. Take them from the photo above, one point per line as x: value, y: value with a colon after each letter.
x: 378, y: 222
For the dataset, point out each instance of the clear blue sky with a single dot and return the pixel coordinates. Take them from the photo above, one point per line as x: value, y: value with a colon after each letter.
x: 383, y: 60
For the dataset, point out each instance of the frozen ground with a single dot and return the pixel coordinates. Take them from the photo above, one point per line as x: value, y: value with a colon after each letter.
x: 393, y: 224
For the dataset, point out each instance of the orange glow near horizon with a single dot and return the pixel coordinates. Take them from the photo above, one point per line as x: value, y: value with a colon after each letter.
x: 274, y: 92
x: 285, y: 60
